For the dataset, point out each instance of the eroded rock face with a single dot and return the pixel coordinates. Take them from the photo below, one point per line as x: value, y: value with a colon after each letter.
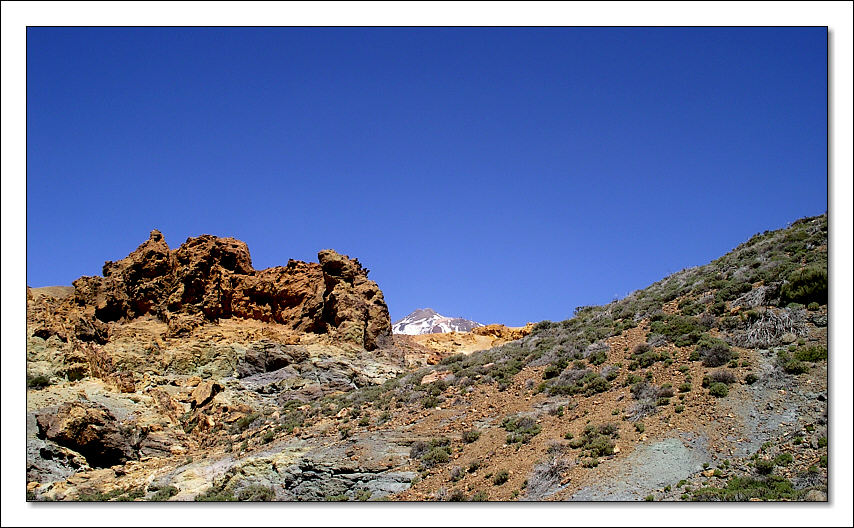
x: 89, y: 429
x: 208, y: 278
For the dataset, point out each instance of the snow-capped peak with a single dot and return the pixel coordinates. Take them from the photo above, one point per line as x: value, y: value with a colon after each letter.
x: 427, y: 321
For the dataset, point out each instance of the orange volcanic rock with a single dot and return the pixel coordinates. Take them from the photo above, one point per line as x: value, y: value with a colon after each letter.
x: 504, y: 333
x: 208, y: 278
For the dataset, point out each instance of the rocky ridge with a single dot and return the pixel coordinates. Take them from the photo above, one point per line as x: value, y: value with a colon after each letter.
x: 210, y: 278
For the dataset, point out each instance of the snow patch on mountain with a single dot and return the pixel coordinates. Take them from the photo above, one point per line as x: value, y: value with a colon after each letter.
x: 427, y: 321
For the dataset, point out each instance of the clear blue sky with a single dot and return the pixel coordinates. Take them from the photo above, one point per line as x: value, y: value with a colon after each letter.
x: 504, y: 175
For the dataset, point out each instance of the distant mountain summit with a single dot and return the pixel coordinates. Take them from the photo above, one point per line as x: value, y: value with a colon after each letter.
x: 427, y: 321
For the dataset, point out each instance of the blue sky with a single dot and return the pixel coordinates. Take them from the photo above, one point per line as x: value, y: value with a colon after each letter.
x: 504, y: 175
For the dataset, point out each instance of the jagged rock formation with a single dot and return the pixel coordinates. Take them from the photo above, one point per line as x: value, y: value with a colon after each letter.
x: 208, y: 278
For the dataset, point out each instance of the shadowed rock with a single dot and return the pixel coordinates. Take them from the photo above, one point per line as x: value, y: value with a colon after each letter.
x: 89, y: 429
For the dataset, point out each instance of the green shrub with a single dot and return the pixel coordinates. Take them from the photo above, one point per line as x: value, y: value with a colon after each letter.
x: 521, y: 429
x: 215, y: 494
x: 501, y: 477
x: 685, y: 387
x: 163, y: 494
x: 811, y: 353
x: 719, y: 390
x: 764, y: 466
x: 552, y: 371
x: 822, y: 442
x: 244, y: 422
x: 429, y: 402
x: 480, y: 496
x: 598, y: 358
x: 805, y: 286
x: 796, y: 367
x: 337, y: 498
x: 37, y: 382
x: 645, y: 355
x: 436, y: 456
x: 771, y: 488
x: 256, y: 493
x: 813, y: 306
x: 784, y: 459
x: 471, y: 436
x: 714, y: 352
x: 679, y: 329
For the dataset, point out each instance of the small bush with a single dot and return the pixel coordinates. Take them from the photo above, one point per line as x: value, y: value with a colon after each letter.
x: 480, y: 496
x: 215, y: 495
x: 471, y: 436
x: 501, y: 477
x: 805, y: 286
x: 784, y: 459
x: 438, y: 451
x: 163, y: 494
x: 521, y: 429
x: 719, y: 390
x: 37, y: 382
x: 721, y: 376
x: 796, y: 367
x: 713, y: 352
x: 764, y: 466
x: 811, y: 353
x: 436, y: 456
x: 751, y: 378
x: 244, y: 422
x: 685, y: 387
x: 681, y: 330
x: 256, y: 493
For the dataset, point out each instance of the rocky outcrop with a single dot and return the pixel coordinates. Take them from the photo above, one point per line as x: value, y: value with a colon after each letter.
x: 504, y: 333
x: 208, y: 278
x: 89, y: 429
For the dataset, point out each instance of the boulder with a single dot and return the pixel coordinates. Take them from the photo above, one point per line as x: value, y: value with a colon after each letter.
x: 89, y: 429
x: 204, y: 392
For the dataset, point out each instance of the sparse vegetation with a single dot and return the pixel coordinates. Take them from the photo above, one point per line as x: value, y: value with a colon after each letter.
x: 501, y: 477
x: 256, y: 493
x: 521, y: 429
x: 471, y: 435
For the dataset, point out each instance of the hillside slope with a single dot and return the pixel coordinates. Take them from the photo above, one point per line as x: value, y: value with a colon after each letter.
x: 710, y: 384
